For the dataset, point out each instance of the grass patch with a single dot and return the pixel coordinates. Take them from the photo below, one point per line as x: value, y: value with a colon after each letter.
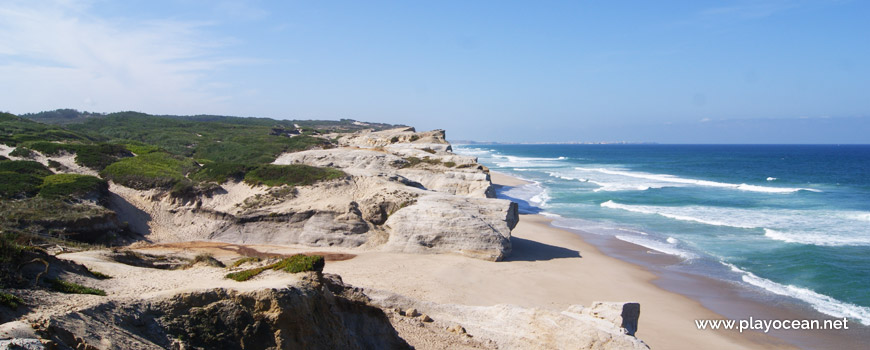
x: 55, y: 165
x: 74, y: 288
x: 15, y: 130
x: 449, y: 164
x: 293, y: 175
x: 141, y: 148
x: 15, y: 185
x: 300, y: 263
x: 245, y: 260
x: 414, y: 161
x: 62, y: 186
x: 428, y: 150
x: 220, y: 172
x: 151, y: 170
x: 207, y: 259
x: 294, y: 264
x: 26, y: 167
x: 94, y: 156
x: 39, y: 209
x: 98, y: 275
x: 216, y: 138
x: 23, y: 152
x: 10, y: 300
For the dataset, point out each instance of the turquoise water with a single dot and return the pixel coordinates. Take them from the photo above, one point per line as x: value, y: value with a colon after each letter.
x: 791, y: 221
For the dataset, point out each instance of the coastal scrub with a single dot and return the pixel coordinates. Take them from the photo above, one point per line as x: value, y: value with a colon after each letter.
x: 294, y: 264
x: 293, y: 175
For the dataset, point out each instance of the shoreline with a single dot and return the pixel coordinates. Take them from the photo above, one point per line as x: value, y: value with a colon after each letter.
x: 724, y: 299
x: 549, y: 268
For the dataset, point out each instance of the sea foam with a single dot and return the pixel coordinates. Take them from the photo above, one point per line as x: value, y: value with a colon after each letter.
x: 820, y: 302
x: 661, y: 247
x: 815, y: 227
x: 665, y: 178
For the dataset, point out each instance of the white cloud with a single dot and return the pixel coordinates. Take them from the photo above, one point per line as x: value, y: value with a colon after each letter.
x: 58, y: 54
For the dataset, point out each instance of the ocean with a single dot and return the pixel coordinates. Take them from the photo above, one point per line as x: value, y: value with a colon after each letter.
x: 787, y: 221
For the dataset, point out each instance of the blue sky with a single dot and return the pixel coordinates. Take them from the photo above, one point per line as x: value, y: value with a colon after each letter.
x: 666, y: 71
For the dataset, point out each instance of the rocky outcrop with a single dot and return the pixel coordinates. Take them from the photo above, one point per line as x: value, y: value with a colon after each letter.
x: 390, y: 191
x: 315, y: 314
x: 474, y: 227
x: 406, y: 137
x: 345, y: 159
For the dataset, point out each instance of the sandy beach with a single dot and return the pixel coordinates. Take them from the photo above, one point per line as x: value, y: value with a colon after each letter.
x: 549, y: 268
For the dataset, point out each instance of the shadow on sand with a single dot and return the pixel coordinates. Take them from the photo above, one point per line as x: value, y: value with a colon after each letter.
x: 528, y: 250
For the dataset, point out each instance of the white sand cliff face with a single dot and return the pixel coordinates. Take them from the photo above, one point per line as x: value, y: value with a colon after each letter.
x: 441, y: 205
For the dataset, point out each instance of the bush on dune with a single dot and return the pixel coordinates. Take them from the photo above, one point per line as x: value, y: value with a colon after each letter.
x: 61, y: 186
x: 294, y: 264
x: 151, y: 170
x: 94, y: 156
x: 293, y: 175
x: 28, y: 167
x: 220, y: 172
x: 14, y: 185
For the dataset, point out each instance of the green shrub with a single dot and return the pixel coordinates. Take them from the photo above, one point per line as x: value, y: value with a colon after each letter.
x: 300, y: 263
x: 54, y: 165
x: 207, y: 259
x: 141, y: 148
x: 50, y: 148
x: 62, y: 186
x: 15, y: 185
x: 245, y: 260
x: 414, y: 161
x: 151, y: 170
x: 449, y: 164
x: 428, y: 150
x: 74, y: 288
x: 2, y: 158
x: 99, y: 156
x: 98, y: 275
x: 245, y: 275
x: 294, y: 264
x: 26, y: 167
x: 94, y: 156
x: 9, y: 300
x: 293, y: 175
x: 10, y: 250
x: 220, y: 172
x: 22, y: 152
x: 40, y: 209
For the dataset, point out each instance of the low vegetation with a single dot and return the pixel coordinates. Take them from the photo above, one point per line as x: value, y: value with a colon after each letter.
x: 245, y: 260
x: 23, y: 152
x: 95, y: 156
x: 220, y: 172
x: 15, y: 185
x: 414, y: 161
x: 294, y: 264
x: 66, y: 186
x: 98, y: 275
x: 73, y: 288
x: 293, y: 175
x: 206, y: 259
x: 10, y: 300
x: 151, y: 170
x: 26, y: 167
x: 17, y: 130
